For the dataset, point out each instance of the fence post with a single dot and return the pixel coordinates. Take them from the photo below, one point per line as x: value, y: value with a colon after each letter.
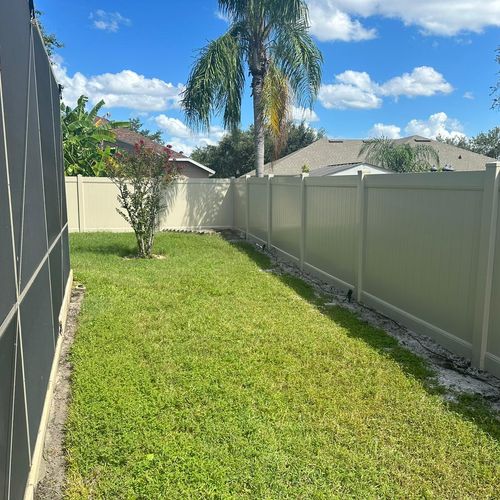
x: 233, y: 201
x: 247, y: 205
x: 302, y: 246
x: 485, y: 263
x: 361, y: 234
x: 80, y: 202
x: 269, y: 210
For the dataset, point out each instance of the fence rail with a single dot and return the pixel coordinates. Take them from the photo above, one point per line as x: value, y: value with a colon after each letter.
x: 424, y: 249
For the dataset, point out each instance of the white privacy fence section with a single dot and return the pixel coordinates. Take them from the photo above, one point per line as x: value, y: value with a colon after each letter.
x: 191, y: 204
x: 424, y: 249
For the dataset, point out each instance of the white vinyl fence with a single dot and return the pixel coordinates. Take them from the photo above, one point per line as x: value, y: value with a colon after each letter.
x: 424, y: 249
x: 192, y: 204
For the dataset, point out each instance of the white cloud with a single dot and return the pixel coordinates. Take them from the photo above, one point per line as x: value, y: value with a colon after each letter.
x: 330, y: 23
x: 172, y: 126
x: 108, y: 21
x: 469, y: 95
x: 422, y: 81
x: 356, y: 90
x: 382, y: 130
x: 435, y: 17
x: 182, y: 138
x: 353, y: 90
x: 436, y: 124
x: 300, y: 114
x: 126, y: 89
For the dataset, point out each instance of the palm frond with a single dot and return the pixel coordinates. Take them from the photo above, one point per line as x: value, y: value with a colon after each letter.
x: 216, y: 83
x: 400, y: 158
x: 277, y: 99
x: 424, y: 155
x: 272, y: 12
x: 297, y: 56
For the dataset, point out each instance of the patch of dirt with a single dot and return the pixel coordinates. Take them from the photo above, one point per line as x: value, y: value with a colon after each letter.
x: 136, y: 257
x: 52, y: 475
x: 453, y: 373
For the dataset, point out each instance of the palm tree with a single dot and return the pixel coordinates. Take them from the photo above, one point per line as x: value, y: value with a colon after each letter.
x: 400, y: 158
x: 271, y: 39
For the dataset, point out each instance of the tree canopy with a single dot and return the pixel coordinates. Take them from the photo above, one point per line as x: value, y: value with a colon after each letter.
x: 49, y: 39
x: 485, y: 143
x: 235, y: 153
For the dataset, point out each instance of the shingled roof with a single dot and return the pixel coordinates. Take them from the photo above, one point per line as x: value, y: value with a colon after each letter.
x: 126, y: 139
x: 342, y: 151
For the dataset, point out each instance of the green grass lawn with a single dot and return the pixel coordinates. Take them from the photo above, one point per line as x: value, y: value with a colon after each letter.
x: 201, y: 376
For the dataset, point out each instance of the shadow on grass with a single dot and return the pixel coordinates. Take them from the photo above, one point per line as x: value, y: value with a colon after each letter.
x: 119, y: 244
x: 117, y: 249
x: 470, y: 407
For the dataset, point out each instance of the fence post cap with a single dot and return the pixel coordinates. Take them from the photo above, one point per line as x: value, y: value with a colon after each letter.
x: 304, y: 174
x: 269, y: 176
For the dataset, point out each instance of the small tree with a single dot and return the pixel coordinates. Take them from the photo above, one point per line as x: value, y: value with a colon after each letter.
x: 141, y: 176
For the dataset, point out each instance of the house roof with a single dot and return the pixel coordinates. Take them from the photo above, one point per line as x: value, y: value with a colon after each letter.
x: 130, y: 138
x: 335, y: 169
x: 127, y: 139
x: 343, y: 151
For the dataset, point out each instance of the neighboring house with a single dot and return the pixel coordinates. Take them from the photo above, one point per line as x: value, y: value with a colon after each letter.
x: 348, y: 169
x: 337, y: 152
x: 126, y: 139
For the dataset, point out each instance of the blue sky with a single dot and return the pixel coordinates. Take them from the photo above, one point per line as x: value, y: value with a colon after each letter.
x: 392, y: 67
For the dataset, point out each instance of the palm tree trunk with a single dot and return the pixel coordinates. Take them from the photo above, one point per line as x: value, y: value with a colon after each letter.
x: 258, y: 123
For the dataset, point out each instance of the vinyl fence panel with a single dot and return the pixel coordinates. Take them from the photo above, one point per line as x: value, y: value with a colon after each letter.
x: 330, y: 228
x: 421, y: 251
x: 198, y: 204
x: 286, y: 215
x: 240, y: 201
x: 257, y: 210
x: 190, y: 204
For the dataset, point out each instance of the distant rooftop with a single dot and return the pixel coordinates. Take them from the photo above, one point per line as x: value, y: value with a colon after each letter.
x: 327, y: 152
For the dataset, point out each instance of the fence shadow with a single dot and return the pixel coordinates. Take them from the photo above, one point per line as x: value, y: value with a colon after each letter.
x: 206, y: 205
x: 471, y: 408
